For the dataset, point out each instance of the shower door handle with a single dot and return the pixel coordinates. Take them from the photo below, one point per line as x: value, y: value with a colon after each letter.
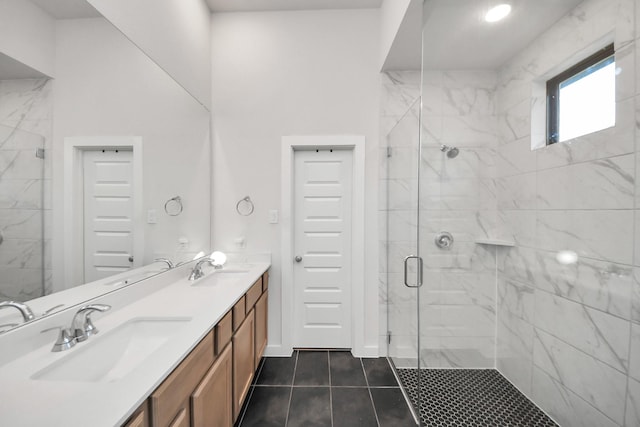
x: 406, y: 260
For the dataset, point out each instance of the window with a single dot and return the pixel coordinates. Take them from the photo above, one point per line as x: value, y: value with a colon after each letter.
x: 581, y: 100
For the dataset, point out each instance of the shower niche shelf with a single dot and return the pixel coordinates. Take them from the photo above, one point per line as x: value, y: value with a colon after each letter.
x: 495, y: 242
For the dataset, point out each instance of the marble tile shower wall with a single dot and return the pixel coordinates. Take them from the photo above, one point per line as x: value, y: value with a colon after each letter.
x: 457, y: 299
x: 25, y: 125
x: 569, y: 335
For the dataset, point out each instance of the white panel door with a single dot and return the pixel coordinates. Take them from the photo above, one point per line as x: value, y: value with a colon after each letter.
x: 108, y: 213
x: 322, y: 246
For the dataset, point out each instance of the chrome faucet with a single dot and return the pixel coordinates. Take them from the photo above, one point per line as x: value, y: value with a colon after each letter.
x: 197, y: 272
x: 81, y: 328
x: 24, y: 309
x: 167, y: 261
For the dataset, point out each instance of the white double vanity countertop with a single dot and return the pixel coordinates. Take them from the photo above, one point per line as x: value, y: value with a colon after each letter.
x: 150, y: 328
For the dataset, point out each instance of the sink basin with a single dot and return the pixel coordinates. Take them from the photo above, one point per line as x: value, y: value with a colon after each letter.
x: 110, y: 357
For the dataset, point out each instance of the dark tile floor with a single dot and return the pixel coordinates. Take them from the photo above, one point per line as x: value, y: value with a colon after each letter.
x: 325, y: 388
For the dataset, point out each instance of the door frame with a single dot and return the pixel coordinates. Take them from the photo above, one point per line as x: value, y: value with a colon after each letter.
x: 74, y: 148
x: 290, y: 144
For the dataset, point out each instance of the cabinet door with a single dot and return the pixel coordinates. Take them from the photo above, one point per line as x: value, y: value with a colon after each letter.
x: 139, y: 419
x: 261, y: 328
x: 181, y: 420
x: 243, y: 361
x: 211, y: 402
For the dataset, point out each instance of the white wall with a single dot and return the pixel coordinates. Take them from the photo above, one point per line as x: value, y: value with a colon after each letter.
x: 290, y: 73
x: 27, y: 35
x: 392, y: 14
x: 106, y: 86
x: 174, y: 33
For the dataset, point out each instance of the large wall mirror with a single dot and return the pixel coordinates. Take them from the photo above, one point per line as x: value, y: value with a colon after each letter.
x: 104, y: 158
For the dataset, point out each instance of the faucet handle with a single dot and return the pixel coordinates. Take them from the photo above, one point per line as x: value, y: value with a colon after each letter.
x: 66, y: 339
x: 82, y: 325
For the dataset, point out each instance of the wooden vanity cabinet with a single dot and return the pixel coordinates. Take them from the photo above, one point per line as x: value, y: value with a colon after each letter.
x: 140, y: 417
x: 170, y: 401
x: 211, y: 403
x: 243, y: 361
x: 209, y: 386
x: 261, y: 328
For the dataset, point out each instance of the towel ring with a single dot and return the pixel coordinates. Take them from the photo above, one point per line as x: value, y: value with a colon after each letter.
x: 245, y: 206
x: 173, y: 206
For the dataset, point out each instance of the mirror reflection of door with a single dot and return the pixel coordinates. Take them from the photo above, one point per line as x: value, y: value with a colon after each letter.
x: 108, y: 212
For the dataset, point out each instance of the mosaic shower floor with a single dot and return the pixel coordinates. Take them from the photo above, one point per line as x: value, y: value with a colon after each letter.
x: 471, y: 397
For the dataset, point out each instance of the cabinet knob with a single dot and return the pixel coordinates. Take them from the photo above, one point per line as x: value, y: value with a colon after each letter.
x: 298, y: 258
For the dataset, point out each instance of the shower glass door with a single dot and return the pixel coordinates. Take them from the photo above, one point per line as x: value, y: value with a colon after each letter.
x: 402, y: 270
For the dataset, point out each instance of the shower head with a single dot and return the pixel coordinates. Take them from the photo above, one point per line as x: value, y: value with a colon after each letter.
x: 452, y: 152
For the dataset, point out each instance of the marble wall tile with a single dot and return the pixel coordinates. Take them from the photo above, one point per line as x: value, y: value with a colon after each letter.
x: 599, y: 284
x: 634, y: 353
x: 635, y: 295
x: 467, y: 92
x: 21, y: 193
x: 564, y: 406
x: 457, y: 321
x: 20, y: 284
x: 518, y: 263
x: 515, y: 158
x: 401, y: 78
x: 397, y: 99
x: 514, y: 351
x: 12, y: 138
x: 467, y: 352
x: 25, y: 100
x: 598, y: 234
x: 21, y: 224
x: 518, y: 226
x: 516, y: 192
x: 625, y: 71
x: 515, y: 122
x: 602, y: 184
x: 471, y: 162
x: 466, y: 193
x: 632, y: 416
x: 20, y: 164
x: 599, y: 334
x: 21, y: 253
x: 597, y: 383
x: 403, y: 163
x: 473, y: 130
x: 468, y: 225
x: 516, y: 298
x: 401, y: 194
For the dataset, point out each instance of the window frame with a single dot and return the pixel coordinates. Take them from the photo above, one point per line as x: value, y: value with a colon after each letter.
x: 553, y: 89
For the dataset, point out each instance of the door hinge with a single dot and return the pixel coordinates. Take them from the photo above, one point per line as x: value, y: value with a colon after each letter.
x: 388, y: 337
x: 389, y: 152
x: 40, y: 153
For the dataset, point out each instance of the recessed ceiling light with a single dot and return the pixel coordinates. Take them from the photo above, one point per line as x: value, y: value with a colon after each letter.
x: 498, y: 12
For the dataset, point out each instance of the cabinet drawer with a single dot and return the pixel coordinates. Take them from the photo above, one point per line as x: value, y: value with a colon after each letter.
x: 265, y: 281
x: 176, y: 389
x: 239, y: 313
x: 224, y: 332
x: 253, y: 294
